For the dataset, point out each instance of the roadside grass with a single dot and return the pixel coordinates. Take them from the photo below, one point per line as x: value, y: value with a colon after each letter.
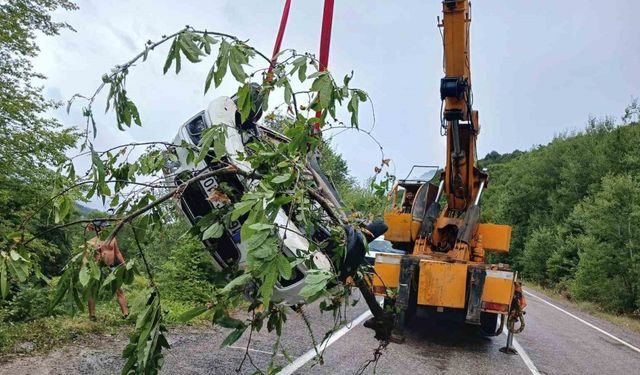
x: 628, y: 321
x: 44, y: 334
x: 47, y: 333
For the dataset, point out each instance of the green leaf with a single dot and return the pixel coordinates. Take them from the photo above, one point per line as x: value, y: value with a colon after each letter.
x: 219, y: 145
x: 207, y: 82
x: 241, y: 208
x: 84, y: 275
x: 76, y: 298
x: 347, y: 79
x: 238, y: 281
x: 18, y: 269
x: 209, y: 39
x: 310, y: 290
x: 260, y: 226
x: 236, y: 59
x: 245, y: 103
x: 302, y: 71
x: 146, y: 53
x: 170, y: 56
x: 315, y: 282
x: 266, y: 250
x: 189, y: 48
x: 205, y: 143
x: 226, y: 321
x: 266, y: 289
x: 221, y: 63
x: 94, y: 271
x: 98, y: 164
x: 281, y: 178
x: 4, y: 291
x: 214, y: 231
x: 324, y: 87
x: 178, y: 63
x: 256, y: 240
x: 352, y: 107
x: 111, y: 277
x: 15, y: 256
x: 284, y: 267
x: 288, y: 92
x: 300, y: 65
x: 207, y: 47
x: 232, y: 337
x: 134, y: 113
x: 146, y: 325
x: 192, y: 313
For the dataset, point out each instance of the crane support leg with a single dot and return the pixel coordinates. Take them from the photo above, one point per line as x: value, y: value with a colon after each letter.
x: 509, y: 349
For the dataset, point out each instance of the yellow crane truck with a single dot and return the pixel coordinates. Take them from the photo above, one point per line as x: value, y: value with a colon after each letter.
x: 434, y: 216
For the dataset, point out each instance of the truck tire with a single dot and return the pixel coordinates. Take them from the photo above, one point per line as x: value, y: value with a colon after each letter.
x: 489, y: 323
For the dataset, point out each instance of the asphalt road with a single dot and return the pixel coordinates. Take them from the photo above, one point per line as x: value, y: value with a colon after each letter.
x: 552, y: 343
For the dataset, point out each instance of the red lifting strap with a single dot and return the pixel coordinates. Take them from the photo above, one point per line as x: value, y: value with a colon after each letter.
x: 325, y: 43
x: 325, y: 34
x: 276, y: 47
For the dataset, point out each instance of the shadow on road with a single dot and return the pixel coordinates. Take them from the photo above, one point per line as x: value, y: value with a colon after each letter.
x: 442, y: 335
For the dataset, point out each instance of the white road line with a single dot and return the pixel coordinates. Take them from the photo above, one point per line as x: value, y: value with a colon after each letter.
x: 253, y: 350
x: 306, y: 357
x: 525, y: 357
x: 585, y: 322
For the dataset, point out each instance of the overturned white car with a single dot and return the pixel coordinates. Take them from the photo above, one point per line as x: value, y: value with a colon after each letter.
x: 196, y: 202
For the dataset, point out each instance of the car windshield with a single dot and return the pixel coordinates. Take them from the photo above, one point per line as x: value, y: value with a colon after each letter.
x: 422, y: 173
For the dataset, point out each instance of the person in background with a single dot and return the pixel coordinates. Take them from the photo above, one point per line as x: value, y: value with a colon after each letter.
x: 408, y: 202
x: 109, y: 255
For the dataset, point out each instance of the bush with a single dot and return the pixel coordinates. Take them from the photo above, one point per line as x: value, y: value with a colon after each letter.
x: 538, y: 249
x: 28, y: 301
x: 188, y: 275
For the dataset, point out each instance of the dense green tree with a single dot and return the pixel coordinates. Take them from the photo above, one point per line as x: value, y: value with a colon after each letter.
x: 562, y: 264
x: 609, y: 268
x: 565, y: 200
x: 537, y: 250
x: 30, y: 141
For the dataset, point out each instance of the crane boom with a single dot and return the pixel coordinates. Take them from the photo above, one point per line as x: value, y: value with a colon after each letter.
x: 462, y: 176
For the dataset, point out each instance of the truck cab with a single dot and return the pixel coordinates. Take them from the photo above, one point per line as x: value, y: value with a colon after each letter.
x: 407, y: 203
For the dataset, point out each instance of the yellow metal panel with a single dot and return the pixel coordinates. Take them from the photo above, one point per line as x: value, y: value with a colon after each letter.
x: 399, y: 227
x: 442, y: 284
x: 498, y: 287
x: 495, y: 237
x: 387, y: 268
x: 415, y: 227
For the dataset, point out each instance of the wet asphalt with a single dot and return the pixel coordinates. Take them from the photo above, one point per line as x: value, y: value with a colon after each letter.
x: 555, y: 342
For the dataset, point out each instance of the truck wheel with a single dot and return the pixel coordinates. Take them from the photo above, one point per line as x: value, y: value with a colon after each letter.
x: 489, y: 323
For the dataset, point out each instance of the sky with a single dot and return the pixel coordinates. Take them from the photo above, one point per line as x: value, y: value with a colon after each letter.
x: 539, y: 68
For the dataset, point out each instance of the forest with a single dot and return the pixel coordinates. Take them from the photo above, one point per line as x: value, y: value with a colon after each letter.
x: 574, y: 205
